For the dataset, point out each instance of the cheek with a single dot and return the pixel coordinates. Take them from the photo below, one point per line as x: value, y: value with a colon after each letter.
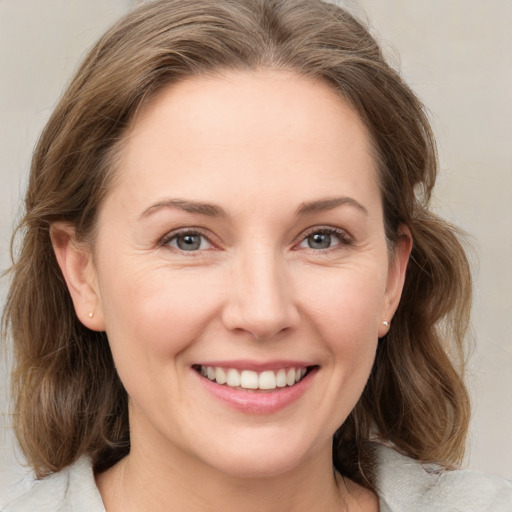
x: 151, y: 319
x: 344, y: 313
x: 158, y: 312
x: 347, y: 303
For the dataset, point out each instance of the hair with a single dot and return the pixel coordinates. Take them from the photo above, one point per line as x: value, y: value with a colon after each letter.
x: 69, y: 400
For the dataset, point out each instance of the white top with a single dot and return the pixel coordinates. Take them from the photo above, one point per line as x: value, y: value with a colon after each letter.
x: 403, y: 485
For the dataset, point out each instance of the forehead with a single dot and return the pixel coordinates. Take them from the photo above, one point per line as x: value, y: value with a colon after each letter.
x: 246, y: 100
x: 263, y: 130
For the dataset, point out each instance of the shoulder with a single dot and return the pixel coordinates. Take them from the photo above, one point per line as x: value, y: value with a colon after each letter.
x: 71, y: 490
x: 404, y: 484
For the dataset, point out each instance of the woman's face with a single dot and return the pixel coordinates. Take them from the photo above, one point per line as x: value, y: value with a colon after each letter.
x: 243, y: 240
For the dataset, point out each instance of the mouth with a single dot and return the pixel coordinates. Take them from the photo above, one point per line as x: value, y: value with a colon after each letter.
x: 250, y: 380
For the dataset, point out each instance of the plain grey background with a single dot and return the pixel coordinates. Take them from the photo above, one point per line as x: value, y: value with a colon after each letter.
x: 457, y: 56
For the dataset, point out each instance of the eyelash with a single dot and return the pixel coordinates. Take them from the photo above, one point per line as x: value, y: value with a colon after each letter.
x: 174, y: 235
x: 344, y: 238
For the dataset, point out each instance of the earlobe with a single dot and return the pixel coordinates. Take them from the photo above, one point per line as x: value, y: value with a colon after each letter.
x: 396, y: 278
x: 76, y: 265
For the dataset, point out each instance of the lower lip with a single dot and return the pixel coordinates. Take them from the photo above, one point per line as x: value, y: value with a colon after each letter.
x: 258, y: 402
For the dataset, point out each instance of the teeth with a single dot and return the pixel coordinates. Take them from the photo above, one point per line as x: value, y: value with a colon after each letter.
x: 220, y: 376
x: 281, y: 378
x: 233, y: 378
x: 267, y: 380
x: 249, y: 379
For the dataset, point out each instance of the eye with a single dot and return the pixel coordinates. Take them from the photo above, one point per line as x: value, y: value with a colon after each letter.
x: 188, y: 241
x: 325, y: 238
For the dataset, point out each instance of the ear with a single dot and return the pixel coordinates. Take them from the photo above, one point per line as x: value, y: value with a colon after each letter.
x: 76, y: 264
x: 396, y: 278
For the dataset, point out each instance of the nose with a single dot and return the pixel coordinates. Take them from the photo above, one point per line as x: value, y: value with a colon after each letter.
x: 260, y: 296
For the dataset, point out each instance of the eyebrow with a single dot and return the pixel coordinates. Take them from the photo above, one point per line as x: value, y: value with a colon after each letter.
x: 328, y: 204
x: 210, y: 210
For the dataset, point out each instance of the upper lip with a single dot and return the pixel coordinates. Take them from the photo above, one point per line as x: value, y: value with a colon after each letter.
x: 257, y: 366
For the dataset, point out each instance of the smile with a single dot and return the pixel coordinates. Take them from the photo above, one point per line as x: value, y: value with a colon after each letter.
x: 256, y: 388
x: 249, y: 379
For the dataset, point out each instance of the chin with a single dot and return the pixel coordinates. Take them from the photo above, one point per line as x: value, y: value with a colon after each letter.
x: 263, y: 456
x: 258, y: 464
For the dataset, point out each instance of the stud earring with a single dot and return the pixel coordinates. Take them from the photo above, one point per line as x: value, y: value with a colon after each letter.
x: 385, y: 323
x: 91, y: 314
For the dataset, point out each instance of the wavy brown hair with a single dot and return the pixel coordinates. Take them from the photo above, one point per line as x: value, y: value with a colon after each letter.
x: 69, y: 400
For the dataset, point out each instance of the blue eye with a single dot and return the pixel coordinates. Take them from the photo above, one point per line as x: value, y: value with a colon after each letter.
x: 319, y: 241
x: 188, y: 241
x: 322, y: 239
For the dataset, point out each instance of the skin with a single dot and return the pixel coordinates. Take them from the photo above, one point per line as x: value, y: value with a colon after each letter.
x: 258, y: 145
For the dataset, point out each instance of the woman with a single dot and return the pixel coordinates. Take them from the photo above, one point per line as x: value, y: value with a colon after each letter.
x: 230, y: 292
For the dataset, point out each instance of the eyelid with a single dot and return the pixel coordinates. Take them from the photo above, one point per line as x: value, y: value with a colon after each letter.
x: 343, y: 235
x: 189, y: 230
